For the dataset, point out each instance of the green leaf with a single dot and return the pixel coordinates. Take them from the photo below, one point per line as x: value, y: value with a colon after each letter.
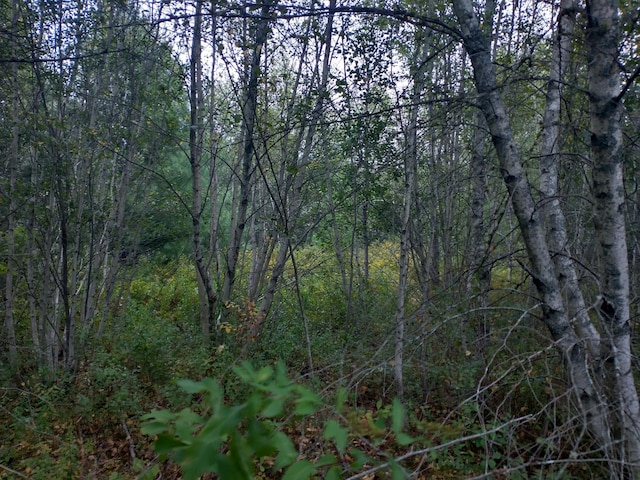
x: 403, y: 439
x: 397, y: 472
x: 334, y: 473
x: 154, y: 428
x: 305, y: 408
x: 299, y: 471
x: 200, y: 461
x: 274, y: 408
x: 359, y: 458
x: 191, y: 387
x: 326, y: 460
x: 168, y: 443
x: 340, y: 436
x: 260, y: 439
x: 264, y: 374
x: 160, y: 415
x: 241, y: 455
x: 397, y: 416
x: 307, y: 403
x: 187, y: 415
x: 184, y: 430
x: 287, y: 453
x: 223, y: 465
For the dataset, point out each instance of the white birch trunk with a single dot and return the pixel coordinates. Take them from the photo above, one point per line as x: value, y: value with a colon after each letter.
x: 609, y: 199
x: 549, y: 166
x: 419, y: 67
x: 529, y: 220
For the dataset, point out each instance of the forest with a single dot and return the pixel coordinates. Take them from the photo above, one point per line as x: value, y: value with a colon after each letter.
x: 341, y: 239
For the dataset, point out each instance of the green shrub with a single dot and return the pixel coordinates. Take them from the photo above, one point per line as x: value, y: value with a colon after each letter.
x: 235, y: 440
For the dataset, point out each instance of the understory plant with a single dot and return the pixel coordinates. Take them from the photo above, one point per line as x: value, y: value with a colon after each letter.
x: 236, y: 441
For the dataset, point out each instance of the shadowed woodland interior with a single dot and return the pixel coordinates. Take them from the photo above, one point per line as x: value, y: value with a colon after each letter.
x: 303, y: 240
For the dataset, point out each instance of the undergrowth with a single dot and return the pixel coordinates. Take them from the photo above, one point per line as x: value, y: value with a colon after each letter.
x: 504, y: 414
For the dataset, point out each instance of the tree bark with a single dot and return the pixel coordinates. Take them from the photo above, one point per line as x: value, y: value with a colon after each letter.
x: 530, y: 223
x: 419, y: 67
x: 9, y: 322
x: 247, y: 154
x: 206, y: 294
x: 479, y: 277
x: 609, y: 198
x: 549, y: 166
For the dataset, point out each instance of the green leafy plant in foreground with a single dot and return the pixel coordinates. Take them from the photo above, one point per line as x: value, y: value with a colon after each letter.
x: 228, y: 440
x: 231, y: 440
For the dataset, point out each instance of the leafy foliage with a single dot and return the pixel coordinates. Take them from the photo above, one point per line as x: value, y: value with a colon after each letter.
x: 228, y: 440
x: 235, y: 440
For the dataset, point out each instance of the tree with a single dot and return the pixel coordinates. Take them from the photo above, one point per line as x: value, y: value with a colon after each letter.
x: 608, y: 194
x: 605, y: 96
x: 12, y: 159
x: 82, y: 120
x: 419, y: 69
x: 247, y: 149
x: 208, y: 298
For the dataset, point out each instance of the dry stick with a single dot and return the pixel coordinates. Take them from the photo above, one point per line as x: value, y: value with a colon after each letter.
x: 15, y: 472
x: 132, y: 448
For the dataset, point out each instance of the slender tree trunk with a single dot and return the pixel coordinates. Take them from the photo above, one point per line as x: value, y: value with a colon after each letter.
x: 398, y: 366
x: 549, y: 166
x: 419, y: 68
x: 609, y: 198
x: 365, y: 243
x: 249, y: 107
x: 50, y: 295
x: 260, y: 256
x: 206, y: 293
x: 214, y: 219
x: 291, y: 198
x: 9, y: 322
x: 479, y: 278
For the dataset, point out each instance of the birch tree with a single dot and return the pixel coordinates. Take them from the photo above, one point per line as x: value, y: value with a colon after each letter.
x: 605, y: 98
x: 419, y: 67
x: 247, y: 150
x: 604, y: 91
x: 207, y: 295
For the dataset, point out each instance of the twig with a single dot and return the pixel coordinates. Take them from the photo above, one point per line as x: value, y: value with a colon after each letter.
x: 132, y: 448
x: 15, y: 472
x: 442, y: 446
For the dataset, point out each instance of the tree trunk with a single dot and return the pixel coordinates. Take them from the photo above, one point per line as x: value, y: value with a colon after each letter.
x: 247, y: 154
x: 549, y: 166
x: 9, y: 322
x: 290, y: 200
x: 419, y: 69
x: 479, y: 277
x: 609, y: 198
x: 530, y: 223
x: 206, y: 293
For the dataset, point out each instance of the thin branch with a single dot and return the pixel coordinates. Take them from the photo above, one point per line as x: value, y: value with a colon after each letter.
x: 15, y: 472
x: 442, y: 446
x: 61, y: 59
x: 628, y: 83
